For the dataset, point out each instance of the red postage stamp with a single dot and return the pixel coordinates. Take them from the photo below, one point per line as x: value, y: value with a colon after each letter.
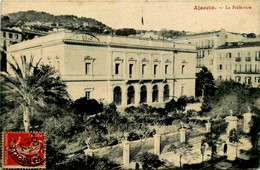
x: 23, y: 150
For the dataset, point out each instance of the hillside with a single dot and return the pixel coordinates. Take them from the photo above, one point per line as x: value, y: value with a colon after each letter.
x: 45, y: 22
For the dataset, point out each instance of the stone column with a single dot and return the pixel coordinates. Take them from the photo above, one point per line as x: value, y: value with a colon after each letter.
x: 149, y: 94
x: 124, y: 95
x: 232, y: 123
x: 247, y: 119
x: 126, y: 153
x: 208, y: 127
x: 157, y: 144
x: 182, y: 135
x: 137, y: 95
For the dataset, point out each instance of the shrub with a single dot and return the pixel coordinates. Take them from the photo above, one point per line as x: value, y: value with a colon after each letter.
x: 89, y: 107
x: 219, y: 126
x: 112, y: 141
x: 149, y: 160
x: 133, y: 136
x: 191, y: 99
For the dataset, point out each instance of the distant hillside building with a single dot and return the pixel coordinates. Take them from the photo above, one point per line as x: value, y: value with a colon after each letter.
x: 126, y: 71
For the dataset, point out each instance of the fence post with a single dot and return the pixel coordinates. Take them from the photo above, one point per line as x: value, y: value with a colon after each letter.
x: 126, y: 152
x: 157, y: 144
x: 182, y: 135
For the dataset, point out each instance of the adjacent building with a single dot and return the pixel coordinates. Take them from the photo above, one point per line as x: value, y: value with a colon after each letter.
x: 206, y: 43
x: 126, y: 71
x: 219, y: 52
x: 13, y: 36
x: 239, y: 61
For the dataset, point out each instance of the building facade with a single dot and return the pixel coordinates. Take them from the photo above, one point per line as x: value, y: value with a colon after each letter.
x: 240, y: 62
x: 126, y: 71
x: 227, y: 55
x: 10, y: 37
x: 206, y: 43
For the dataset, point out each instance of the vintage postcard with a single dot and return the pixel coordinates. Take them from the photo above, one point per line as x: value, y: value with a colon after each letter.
x: 120, y: 84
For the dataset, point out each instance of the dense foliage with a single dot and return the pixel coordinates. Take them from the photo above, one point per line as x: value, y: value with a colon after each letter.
x: 42, y: 21
x: 230, y: 95
x: 204, y: 83
x: 149, y: 160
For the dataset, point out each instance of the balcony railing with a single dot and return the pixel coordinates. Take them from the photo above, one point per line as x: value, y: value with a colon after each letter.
x: 248, y: 58
x: 205, y: 47
x: 247, y: 72
x: 238, y: 59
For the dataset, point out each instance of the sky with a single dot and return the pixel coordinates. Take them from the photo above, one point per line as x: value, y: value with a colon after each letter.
x: 170, y: 14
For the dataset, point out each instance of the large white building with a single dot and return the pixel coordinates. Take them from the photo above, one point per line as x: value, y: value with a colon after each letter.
x: 123, y: 70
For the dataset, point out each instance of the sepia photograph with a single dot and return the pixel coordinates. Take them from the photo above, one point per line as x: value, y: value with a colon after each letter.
x: 120, y: 84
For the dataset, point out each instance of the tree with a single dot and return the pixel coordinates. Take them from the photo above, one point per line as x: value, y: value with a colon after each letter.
x: 31, y: 87
x: 84, y: 106
x: 171, y: 106
x: 182, y: 149
x: 234, y: 137
x: 126, y: 32
x: 204, y: 83
x: 149, y: 160
x: 211, y: 139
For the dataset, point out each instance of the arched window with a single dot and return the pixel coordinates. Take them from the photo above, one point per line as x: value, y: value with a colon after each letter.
x: 155, y: 94
x: 143, y: 94
x: 166, y: 92
x: 131, y: 95
x: 117, y: 95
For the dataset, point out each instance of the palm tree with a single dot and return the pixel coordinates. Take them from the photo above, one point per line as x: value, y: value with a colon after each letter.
x: 182, y: 149
x: 31, y: 86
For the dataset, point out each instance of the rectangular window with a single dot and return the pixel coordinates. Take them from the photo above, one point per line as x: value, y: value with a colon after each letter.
x: 238, y: 54
x: 117, y: 65
x: 246, y: 68
x: 155, y: 69
x: 4, y: 34
x: 220, y: 77
x: 17, y: 36
x: 130, y: 70
x: 10, y: 35
x: 87, y: 68
x: 212, y: 43
x: 166, y: 69
x: 87, y: 95
x: 143, y: 69
x: 220, y: 67
x: 182, y: 69
x: 229, y: 55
